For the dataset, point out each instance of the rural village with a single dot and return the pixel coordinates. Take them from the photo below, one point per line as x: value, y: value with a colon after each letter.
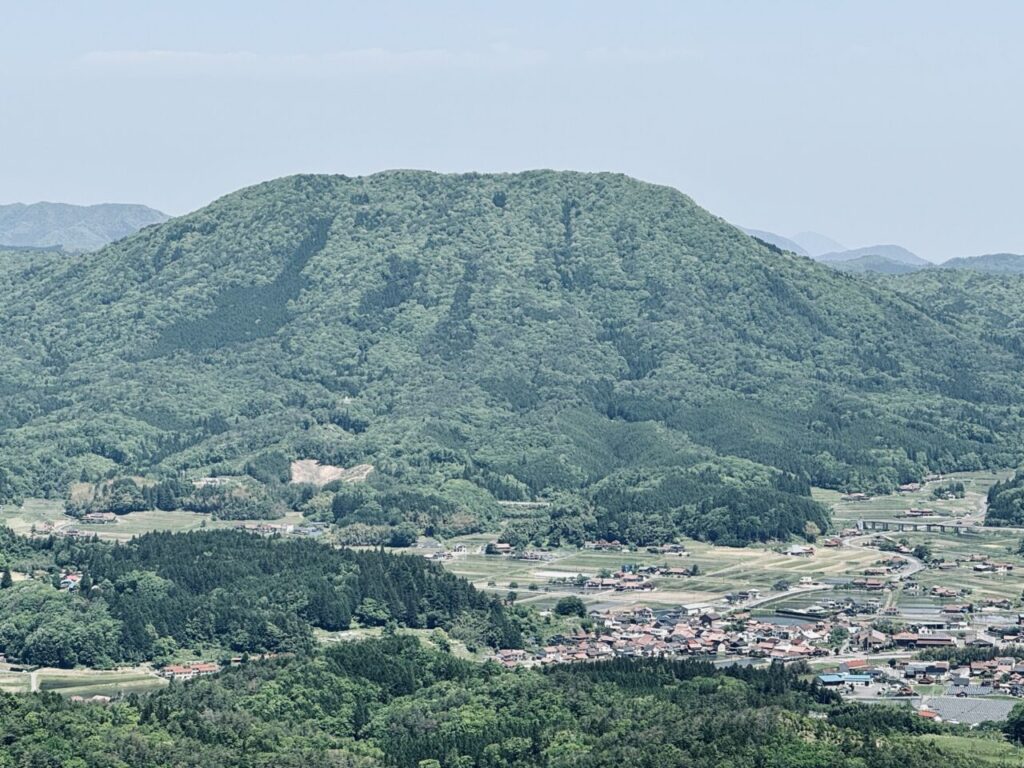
x: 870, y: 613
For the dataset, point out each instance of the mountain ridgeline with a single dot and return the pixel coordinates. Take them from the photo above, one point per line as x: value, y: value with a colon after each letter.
x: 584, y: 337
x: 71, y: 227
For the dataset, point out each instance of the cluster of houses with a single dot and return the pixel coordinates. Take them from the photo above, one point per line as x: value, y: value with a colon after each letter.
x: 799, y: 550
x: 700, y: 631
x: 189, y: 671
x: 904, y: 488
x: 622, y: 581
x: 636, y: 580
x: 70, y: 580
x: 506, y: 549
x: 70, y: 533
x: 602, y: 545
x: 999, y: 676
x: 444, y: 555
x: 99, y: 518
x: 918, y: 512
x: 638, y: 632
x: 309, y: 529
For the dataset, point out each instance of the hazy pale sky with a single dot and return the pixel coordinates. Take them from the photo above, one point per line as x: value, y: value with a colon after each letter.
x: 871, y: 122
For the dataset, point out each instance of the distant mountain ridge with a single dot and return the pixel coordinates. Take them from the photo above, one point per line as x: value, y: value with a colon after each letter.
x: 778, y: 241
x: 72, y: 227
x: 816, y: 243
x: 995, y: 263
x: 887, y: 259
x: 873, y: 262
x: 895, y: 253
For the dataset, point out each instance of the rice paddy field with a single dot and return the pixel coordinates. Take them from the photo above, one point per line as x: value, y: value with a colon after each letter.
x: 14, y: 682
x: 37, y: 512
x: 894, y: 506
x: 80, y: 682
x: 33, y: 512
x: 88, y: 683
x: 982, y: 751
x: 721, y: 570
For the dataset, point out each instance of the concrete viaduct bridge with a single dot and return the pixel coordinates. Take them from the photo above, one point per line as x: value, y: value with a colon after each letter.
x: 915, y: 525
x: 932, y: 527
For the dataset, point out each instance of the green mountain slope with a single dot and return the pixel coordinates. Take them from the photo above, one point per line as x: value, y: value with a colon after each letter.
x: 996, y: 263
x: 871, y: 262
x: 72, y: 227
x: 986, y: 306
x: 524, y: 333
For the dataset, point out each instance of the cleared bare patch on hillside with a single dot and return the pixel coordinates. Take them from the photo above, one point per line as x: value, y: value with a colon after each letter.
x: 313, y: 472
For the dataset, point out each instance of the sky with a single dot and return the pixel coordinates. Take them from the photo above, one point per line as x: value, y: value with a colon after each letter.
x: 870, y: 122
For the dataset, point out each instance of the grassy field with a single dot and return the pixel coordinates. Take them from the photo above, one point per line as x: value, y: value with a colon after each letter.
x: 981, y: 750
x: 39, y: 511
x: 82, y: 682
x: 88, y: 683
x: 32, y: 512
x: 426, y: 636
x: 14, y: 682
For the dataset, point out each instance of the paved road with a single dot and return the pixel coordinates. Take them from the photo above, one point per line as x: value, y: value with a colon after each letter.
x: 746, y: 605
x: 857, y: 542
x: 914, y: 565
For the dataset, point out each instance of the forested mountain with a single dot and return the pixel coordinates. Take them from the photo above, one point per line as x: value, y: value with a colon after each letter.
x: 995, y: 263
x: 72, y: 227
x: 393, y: 703
x: 513, y: 334
x: 989, y: 307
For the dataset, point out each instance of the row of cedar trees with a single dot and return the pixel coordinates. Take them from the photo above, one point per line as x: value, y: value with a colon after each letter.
x: 253, y: 594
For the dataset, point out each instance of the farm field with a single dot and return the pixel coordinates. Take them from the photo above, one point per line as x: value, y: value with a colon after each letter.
x: 81, y: 682
x: 88, y: 683
x: 1000, y: 546
x: 982, y: 751
x: 720, y: 570
x: 39, y: 511
x: 14, y: 682
x: 893, y: 506
x: 32, y: 512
